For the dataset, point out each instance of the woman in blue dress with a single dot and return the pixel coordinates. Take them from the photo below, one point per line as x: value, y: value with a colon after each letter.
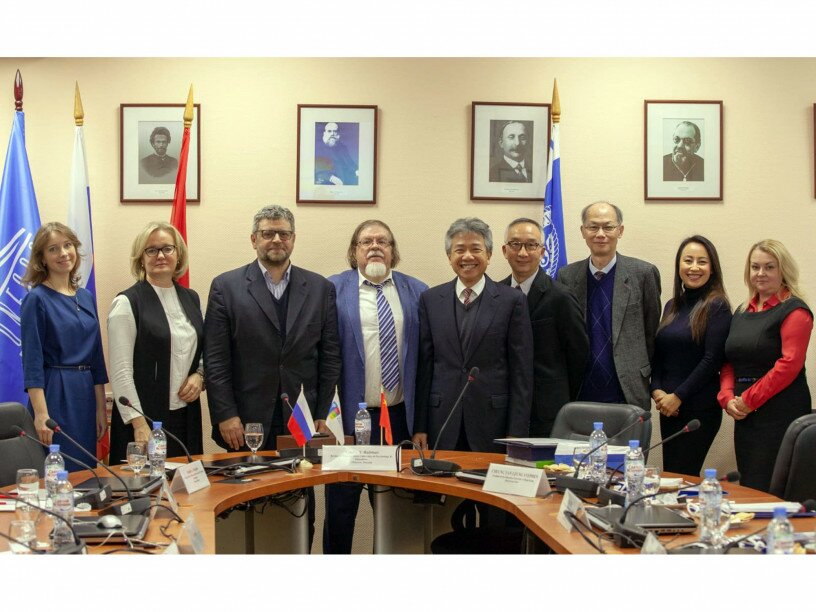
x: 63, y: 364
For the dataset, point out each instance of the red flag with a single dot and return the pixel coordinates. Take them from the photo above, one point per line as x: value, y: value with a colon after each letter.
x: 385, y: 419
x: 178, y: 218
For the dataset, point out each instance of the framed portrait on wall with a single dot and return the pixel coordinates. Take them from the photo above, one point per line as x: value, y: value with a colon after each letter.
x: 150, y: 146
x: 508, y: 152
x: 336, y: 154
x: 683, y: 150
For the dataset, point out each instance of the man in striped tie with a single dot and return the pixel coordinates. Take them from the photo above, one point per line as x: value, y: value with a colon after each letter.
x: 378, y: 320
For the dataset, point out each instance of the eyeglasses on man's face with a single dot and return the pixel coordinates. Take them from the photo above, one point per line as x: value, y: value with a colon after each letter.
x: 515, y: 245
x: 269, y: 234
x: 166, y: 250
x: 606, y: 229
x: 380, y: 242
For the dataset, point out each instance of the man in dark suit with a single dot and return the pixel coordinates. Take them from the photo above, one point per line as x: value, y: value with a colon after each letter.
x: 511, y: 164
x: 560, y: 342
x: 621, y: 300
x: 378, y: 318
x: 472, y: 321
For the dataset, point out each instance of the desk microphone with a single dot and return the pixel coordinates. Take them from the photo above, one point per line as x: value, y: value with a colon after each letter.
x: 625, y: 536
x: 126, y: 402
x: 440, y: 467
x: 587, y: 488
x: 606, y: 495
x: 135, y: 505
x: 77, y: 548
x: 99, y: 498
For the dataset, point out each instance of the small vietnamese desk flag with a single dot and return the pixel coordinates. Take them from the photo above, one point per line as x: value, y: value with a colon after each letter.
x: 385, y: 419
x: 300, y: 424
x: 178, y: 216
x: 19, y: 221
x: 334, y: 421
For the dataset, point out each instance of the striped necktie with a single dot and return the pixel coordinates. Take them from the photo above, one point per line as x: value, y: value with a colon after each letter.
x: 389, y: 360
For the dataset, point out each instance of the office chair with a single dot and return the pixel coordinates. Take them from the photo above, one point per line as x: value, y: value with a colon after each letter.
x: 574, y: 422
x: 17, y: 452
x: 792, y: 478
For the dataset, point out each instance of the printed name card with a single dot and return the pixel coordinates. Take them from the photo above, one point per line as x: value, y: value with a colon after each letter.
x: 364, y: 458
x: 190, y: 539
x: 190, y: 477
x: 516, y: 480
x: 571, y: 504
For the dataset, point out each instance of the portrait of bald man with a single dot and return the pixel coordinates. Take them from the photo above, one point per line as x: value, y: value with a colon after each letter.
x: 683, y: 163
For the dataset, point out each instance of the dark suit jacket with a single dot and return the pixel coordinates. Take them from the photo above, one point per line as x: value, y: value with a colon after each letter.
x: 502, y: 172
x: 247, y: 366
x: 560, y: 350
x: 352, y: 379
x: 635, y: 318
x: 497, y: 403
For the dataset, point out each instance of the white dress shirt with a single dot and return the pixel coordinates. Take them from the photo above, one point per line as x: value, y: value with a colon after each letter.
x: 525, y: 284
x: 122, y: 340
x: 606, y: 269
x: 477, y: 289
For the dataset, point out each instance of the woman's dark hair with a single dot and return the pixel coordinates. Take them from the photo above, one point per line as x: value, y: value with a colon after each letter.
x: 714, y: 290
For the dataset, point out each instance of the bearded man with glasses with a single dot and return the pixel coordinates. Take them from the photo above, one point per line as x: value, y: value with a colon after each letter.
x: 620, y: 297
x: 560, y: 342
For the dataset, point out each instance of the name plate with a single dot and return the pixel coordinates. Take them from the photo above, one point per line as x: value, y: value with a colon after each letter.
x: 573, y: 505
x: 190, y: 539
x: 190, y: 477
x: 516, y: 480
x: 363, y: 458
x: 167, y: 494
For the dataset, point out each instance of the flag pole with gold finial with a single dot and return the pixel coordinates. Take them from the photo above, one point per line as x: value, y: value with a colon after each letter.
x: 178, y: 216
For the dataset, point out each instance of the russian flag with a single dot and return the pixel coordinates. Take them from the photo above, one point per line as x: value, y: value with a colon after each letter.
x: 300, y: 424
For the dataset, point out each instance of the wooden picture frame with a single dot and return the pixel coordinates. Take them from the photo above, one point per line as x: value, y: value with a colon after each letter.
x: 147, y: 165
x: 499, y: 170
x: 336, y: 154
x: 683, y: 150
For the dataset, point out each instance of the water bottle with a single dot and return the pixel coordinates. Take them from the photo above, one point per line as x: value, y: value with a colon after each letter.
x: 157, y: 449
x: 710, y: 507
x: 64, y: 506
x: 597, y: 471
x: 54, y: 463
x: 634, y: 468
x: 779, y: 538
x: 362, y: 425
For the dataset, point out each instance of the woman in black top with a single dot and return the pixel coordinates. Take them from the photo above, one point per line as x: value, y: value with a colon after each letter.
x: 689, y: 350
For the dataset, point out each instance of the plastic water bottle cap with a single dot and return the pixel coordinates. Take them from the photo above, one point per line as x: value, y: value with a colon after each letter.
x: 710, y: 472
x: 780, y: 512
x: 634, y: 443
x: 54, y: 448
x: 362, y: 406
x: 598, y: 425
x: 63, y: 475
x: 157, y: 425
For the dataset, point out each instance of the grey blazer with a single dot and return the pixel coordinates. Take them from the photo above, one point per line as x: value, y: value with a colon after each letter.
x: 635, y: 318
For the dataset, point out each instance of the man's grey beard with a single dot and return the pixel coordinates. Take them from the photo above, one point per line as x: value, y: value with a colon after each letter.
x: 376, y: 269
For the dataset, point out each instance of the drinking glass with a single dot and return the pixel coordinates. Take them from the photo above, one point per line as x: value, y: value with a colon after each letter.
x: 580, y: 456
x: 23, y: 531
x: 253, y: 436
x: 651, y: 482
x: 137, y: 456
x: 28, y: 487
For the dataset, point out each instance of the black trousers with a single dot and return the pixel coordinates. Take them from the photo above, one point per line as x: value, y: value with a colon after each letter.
x: 343, y: 499
x: 687, y: 454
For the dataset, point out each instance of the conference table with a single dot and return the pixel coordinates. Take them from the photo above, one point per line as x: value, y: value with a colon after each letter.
x: 410, y: 510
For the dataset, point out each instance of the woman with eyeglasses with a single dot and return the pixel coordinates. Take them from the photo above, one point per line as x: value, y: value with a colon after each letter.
x: 763, y: 385
x: 155, y: 340
x: 63, y: 365
x: 689, y: 351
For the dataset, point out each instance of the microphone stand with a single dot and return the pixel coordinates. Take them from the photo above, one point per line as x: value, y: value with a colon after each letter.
x: 134, y: 505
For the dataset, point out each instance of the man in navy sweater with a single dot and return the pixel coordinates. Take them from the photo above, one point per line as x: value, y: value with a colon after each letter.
x: 621, y: 300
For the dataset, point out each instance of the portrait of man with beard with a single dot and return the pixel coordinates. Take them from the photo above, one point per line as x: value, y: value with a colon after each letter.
x: 683, y: 163
x: 510, y: 146
x: 335, y: 164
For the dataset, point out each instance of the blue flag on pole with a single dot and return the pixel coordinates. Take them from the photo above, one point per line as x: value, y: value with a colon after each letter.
x: 19, y: 221
x: 79, y: 211
x: 555, y: 248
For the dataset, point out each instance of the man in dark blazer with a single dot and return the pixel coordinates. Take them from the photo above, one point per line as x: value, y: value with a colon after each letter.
x: 560, y: 342
x: 270, y: 328
x: 372, y: 255
x: 469, y: 322
x: 621, y: 300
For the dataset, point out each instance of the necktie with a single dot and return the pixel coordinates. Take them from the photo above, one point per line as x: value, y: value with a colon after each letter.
x: 389, y: 360
x: 468, y: 292
x: 599, y: 275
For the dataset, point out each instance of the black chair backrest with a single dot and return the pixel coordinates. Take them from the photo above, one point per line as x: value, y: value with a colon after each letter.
x: 574, y: 422
x: 17, y: 452
x: 793, y: 478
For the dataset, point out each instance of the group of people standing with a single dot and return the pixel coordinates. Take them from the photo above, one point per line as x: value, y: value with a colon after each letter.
x: 596, y: 334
